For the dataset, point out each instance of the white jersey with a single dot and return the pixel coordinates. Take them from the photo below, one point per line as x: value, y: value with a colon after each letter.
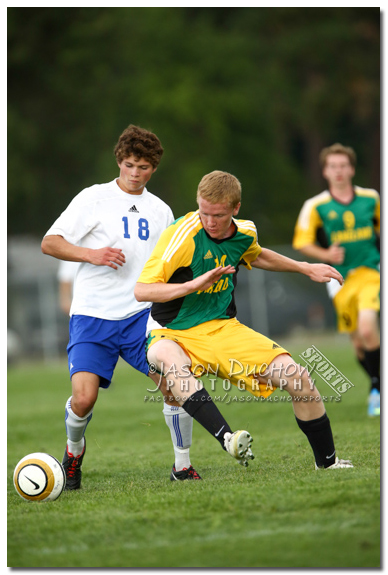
x: 67, y: 271
x: 105, y: 216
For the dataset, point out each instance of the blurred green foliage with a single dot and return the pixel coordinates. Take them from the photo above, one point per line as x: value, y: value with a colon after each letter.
x: 253, y: 91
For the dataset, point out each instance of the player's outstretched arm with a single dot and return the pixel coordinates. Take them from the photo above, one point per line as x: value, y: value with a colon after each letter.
x: 272, y: 261
x: 322, y: 273
x: 162, y: 292
x: 58, y: 247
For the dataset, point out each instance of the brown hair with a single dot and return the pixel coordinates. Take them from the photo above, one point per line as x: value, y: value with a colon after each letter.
x: 220, y: 187
x: 338, y: 149
x: 139, y: 142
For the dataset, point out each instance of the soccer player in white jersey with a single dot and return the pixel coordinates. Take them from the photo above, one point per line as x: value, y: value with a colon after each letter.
x: 111, y: 229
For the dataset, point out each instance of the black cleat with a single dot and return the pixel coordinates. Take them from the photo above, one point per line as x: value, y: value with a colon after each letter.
x: 189, y: 473
x: 72, y: 466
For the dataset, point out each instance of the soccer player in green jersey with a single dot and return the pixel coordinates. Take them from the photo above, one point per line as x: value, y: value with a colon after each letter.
x: 341, y: 226
x: 191, y: 276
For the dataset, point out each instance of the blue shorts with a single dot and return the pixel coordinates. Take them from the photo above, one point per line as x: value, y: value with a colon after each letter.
x: 95, y: 344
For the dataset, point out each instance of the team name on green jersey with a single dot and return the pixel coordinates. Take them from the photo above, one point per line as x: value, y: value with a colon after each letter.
x: 185, y: 251
x: 354, y: 226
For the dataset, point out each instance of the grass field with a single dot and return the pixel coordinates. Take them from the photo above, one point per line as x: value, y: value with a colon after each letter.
x: 278, y: 512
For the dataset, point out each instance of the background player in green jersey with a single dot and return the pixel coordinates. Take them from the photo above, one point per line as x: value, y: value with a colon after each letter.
x: 341, y: 226
x: 191, y: 276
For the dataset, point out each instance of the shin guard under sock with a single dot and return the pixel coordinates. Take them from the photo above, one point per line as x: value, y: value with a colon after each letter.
x: 75, y: 428
x: 201, y: 407
x: 319, y: 434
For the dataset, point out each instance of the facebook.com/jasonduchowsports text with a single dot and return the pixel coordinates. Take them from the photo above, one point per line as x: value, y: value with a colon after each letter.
x: 284, y: 377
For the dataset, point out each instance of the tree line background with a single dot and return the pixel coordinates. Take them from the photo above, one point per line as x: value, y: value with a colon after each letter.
x: 253, y: 91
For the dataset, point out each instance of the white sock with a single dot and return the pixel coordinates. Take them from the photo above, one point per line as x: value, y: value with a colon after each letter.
x: 182, y: 458
x: 75, y: 429
x: 180, y: 424
x: 75, y: 447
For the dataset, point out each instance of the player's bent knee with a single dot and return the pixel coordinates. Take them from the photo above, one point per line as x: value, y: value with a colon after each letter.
x: 165, y: 354
x: 83, y: 404
x: 369, y: 335
x: 84, y: 393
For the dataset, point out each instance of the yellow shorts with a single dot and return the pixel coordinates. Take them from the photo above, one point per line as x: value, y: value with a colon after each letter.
x: 361, y: 290
x: 227, y: 348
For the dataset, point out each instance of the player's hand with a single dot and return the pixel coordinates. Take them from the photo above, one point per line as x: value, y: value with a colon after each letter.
x: 111, y: 257
x: 335, y: 254
x: 322, y: 273
x: 206, y: 280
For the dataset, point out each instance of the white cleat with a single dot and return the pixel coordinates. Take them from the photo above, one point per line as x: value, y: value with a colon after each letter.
x: 249, y: 455
x: 338, y: 464
x: 238, y: 445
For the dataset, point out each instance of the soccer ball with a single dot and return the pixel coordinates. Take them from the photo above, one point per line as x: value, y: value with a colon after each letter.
x: 39, y: 477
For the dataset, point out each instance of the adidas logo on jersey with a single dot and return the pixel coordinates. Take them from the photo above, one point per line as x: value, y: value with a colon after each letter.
x: 275, y: 346
x: 208, y: 255
x: 133, y: 209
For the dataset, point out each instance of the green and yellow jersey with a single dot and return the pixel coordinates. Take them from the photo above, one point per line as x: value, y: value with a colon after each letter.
x: 354, y: 225
x: 185, y: 251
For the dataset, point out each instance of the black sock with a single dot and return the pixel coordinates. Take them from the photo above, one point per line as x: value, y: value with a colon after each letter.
x: 372, y: 360
x: 363, y: 364
x: 201, y: 407
x: 318, y: 432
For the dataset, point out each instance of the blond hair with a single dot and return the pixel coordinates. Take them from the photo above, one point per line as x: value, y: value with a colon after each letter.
x: 338, y: 149
x: 220, y: 187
